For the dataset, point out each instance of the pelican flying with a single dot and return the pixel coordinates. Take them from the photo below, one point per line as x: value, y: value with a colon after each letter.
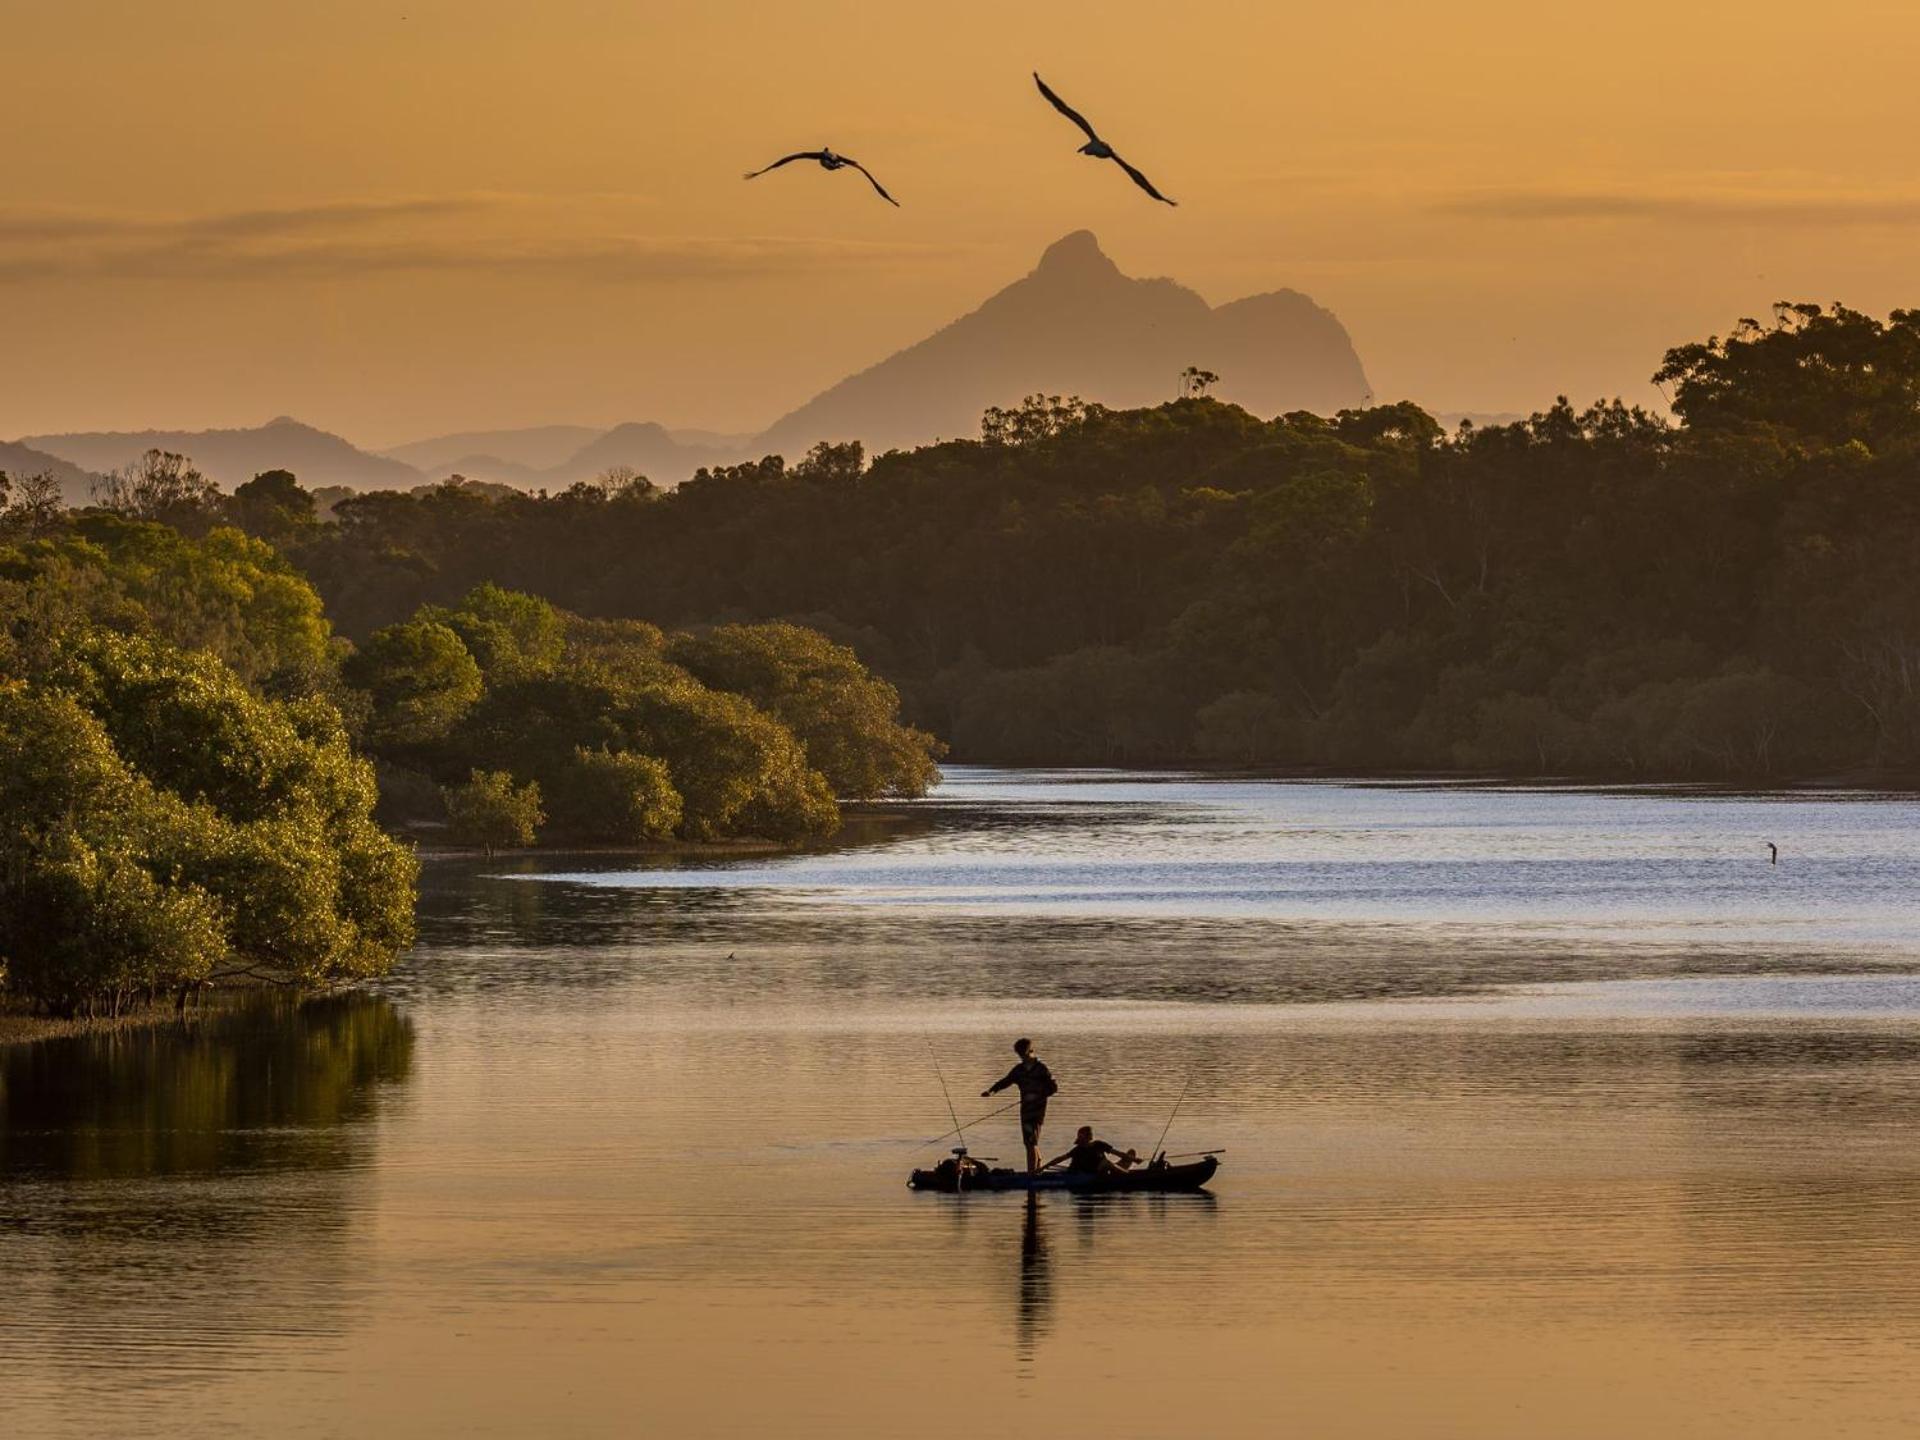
x: 1095, y: 146
x: 828, y: 161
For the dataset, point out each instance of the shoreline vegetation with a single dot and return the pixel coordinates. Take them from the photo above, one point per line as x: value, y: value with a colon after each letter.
x: 21, y: 1023
x: 218, y: 711
x: 202, y: 782
x: 24, y: 1021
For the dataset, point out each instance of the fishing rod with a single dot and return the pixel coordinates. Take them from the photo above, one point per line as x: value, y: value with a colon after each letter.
x: 1155, y: 1152
x: 960, y: 1150
x: 952, y: 1114
x: 957, y: 1129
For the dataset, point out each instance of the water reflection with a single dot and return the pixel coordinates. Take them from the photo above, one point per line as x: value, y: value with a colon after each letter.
x: 1033, y: 1312
x: 716, y: 943
x: 646, y: 1176
x: 266, y: 1084
x: 1112, y: 1244
x: 182, y: 1204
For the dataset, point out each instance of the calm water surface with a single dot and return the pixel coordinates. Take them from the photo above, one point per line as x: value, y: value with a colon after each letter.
x: 1547, y: 1113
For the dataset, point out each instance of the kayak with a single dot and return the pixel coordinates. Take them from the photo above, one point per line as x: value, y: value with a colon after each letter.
x: 1151, y: 1179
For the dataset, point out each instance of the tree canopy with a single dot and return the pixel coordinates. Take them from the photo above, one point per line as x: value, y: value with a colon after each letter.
x: 845, y: 717
x: 165, y: 823
x: 625, y: 744
x: 226, y: 593
x: 1575, y: 592
x: 181, y: 777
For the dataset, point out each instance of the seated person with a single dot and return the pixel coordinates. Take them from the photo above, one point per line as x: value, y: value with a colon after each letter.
x: 1093, y: 1157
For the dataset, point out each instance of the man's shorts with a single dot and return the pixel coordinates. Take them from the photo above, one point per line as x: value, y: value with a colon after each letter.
x: 1032, y: 1117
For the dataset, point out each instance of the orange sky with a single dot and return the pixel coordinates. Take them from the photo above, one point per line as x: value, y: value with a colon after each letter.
x: 396, y: 218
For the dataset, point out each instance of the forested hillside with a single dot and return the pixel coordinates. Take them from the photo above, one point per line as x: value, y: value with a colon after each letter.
x: 1732, y: 594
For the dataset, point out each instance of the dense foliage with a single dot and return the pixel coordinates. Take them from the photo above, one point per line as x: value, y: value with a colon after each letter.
x: 491, y: 812
x: 846, y: 718
x: 181, y: 796
x: 164, y: 825
x: 625, y: 744
x: 1598, y: 591
x: 226, y: 593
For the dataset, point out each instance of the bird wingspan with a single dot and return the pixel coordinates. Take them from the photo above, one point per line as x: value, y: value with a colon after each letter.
x: 871, y: 181
x: 1064, y: 108
x: 787, y: 160
x: 1142, y: 181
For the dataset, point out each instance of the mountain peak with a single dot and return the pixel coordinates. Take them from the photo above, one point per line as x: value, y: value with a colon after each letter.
x: 1077, y: 325
x: 1076, y: 254
x: 639, y: 429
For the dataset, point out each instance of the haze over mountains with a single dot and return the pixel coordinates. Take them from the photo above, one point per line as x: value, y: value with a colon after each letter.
x: 233, y: 457
x: 1075, y: 326
x: 537, y: 448
x: 1078, y: 326
x: 76, y: 484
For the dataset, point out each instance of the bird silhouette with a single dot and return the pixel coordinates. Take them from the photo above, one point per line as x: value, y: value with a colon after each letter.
x: 1773, y: 851
x: 1095, y: 146
x: 828, y: 161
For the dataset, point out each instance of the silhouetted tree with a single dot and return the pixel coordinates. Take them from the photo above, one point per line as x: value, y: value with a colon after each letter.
x: 273, y: 507
x: 30, y: 505
x: 160, y: 486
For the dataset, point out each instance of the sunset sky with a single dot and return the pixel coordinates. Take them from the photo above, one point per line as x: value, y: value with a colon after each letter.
x: 391, y: 219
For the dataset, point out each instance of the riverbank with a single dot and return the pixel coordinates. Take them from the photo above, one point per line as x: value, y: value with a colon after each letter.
x: 1864, y: 780
x: 862, y: 822
x: 20, y: 1025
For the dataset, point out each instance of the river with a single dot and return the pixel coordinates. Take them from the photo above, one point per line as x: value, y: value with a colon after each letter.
x: 1546, y: 1111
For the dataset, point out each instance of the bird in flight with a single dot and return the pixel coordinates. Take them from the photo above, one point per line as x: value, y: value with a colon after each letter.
x: 828, y: 161
x: 1095, y: 146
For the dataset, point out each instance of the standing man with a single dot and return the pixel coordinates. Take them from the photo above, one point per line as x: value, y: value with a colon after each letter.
x: 1036, y: 1085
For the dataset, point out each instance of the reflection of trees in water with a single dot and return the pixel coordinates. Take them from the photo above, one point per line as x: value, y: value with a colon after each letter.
x: 267, y: 1084
x: 181, y: 1201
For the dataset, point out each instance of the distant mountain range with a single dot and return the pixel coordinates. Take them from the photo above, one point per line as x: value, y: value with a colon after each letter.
x: 233, y: 457
x: 538, y: 448
x: 76, y: 485
x: 1075, y: 326
x: 548, y: 449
